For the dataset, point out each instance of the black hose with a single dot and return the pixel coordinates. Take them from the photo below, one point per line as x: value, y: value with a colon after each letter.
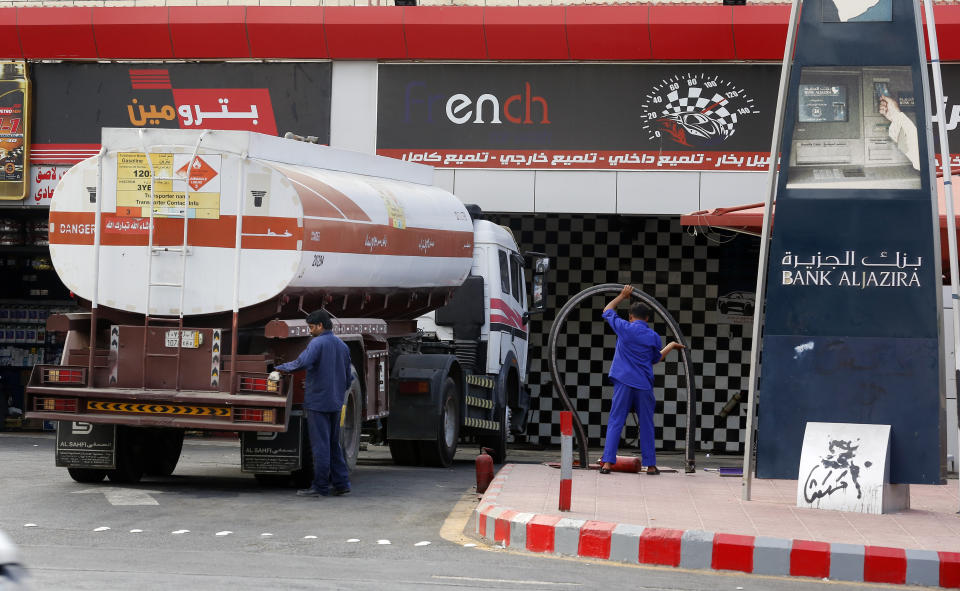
x: 560, y: 386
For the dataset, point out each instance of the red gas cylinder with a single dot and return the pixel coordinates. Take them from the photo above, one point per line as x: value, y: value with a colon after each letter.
x: 484, y: 471
x: 626, y: 464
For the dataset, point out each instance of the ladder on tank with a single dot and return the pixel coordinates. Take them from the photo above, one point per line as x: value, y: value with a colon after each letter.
x: 153, y: 250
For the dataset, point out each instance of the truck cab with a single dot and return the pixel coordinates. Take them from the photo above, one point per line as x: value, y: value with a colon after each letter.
x: 486, y: 325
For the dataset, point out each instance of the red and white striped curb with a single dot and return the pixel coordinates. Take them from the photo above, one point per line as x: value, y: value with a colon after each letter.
x: 694, y: 549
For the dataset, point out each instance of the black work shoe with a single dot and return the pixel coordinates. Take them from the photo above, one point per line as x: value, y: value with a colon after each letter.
x: 309, y: 492
x: 341, y: 492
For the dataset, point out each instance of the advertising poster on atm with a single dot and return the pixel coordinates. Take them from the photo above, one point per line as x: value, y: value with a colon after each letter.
x: 856, y: 128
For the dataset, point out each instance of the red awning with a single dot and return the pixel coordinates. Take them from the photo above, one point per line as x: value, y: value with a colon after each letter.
x: 748, y: 219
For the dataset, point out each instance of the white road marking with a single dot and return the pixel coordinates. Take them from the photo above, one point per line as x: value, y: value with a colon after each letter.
x: 29, y: 525
x: 309, y: 537
x: 352, y: 541
x: 180, y: 531
x: 423, y: 543
x: 223, y: 533
x: 124, y: 496
x: 266, y: 535
x: 101, y: 528
x: 511, y: 581
x: 383, y: 542
x: 136, y: 531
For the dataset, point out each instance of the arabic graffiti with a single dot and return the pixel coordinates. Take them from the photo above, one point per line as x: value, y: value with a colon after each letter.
x: 373, y: 242
x: 899, y: 270
x: 835, y: 471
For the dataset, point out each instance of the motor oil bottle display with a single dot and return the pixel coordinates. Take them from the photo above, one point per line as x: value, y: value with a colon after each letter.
x: 14, y: 118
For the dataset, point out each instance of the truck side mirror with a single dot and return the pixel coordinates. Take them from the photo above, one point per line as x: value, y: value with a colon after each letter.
x: 541, y: 266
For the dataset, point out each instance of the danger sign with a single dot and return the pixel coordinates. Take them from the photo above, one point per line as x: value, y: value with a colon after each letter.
x: 200, y: 173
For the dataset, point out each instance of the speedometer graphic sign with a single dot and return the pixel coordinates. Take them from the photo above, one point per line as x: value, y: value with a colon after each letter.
x: 695, y: 110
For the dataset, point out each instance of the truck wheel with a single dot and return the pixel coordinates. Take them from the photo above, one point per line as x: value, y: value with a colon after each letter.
x: 86, y: 475
x: 404, y: 453
x: 129, y: 456
x: 350, y: 424
x: 498, y: 442
x: 441, y: 451
x: 162, y: 451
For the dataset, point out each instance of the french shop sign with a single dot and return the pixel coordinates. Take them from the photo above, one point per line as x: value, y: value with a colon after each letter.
x: 589, y: 116
x: 573, y: 116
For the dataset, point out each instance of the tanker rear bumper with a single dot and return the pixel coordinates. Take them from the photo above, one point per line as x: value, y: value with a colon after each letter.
x: 160, y: 408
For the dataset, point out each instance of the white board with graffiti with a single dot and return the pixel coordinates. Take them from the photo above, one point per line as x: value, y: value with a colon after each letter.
x: 846, y: 467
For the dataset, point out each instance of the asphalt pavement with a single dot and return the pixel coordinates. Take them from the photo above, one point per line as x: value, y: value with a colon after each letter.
x: 209, y: 526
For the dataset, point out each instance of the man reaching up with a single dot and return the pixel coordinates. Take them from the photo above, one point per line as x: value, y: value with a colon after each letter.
x: 638, y: 349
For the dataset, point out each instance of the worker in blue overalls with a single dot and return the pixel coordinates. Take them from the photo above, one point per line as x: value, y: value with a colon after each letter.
x: 638, y: 349
x: 327, y: 361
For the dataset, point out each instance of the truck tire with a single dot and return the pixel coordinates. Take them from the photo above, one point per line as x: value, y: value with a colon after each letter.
x: 350, y: 424
x: 498, y: 442
x: 440, y: 452
x: 86, y: 475
x: 404, y: 453
x: 162, y: 449
x: 129, y: 456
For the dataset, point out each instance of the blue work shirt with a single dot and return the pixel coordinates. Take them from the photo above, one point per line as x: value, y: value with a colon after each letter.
x: 327, y: 361
x: 638, y: 349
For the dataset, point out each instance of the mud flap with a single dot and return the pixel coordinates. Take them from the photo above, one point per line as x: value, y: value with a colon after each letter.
x: 270, y: 452
x: 86, y: 445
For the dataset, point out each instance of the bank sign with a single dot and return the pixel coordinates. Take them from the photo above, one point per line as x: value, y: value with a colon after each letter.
x: 74, y: 101
x: 852, y: 326
x: 576, y: 116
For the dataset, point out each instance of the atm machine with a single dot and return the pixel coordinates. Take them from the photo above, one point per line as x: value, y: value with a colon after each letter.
x: 841, y: 138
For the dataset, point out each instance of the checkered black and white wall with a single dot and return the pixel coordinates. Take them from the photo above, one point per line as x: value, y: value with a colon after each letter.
x: 682, y: 272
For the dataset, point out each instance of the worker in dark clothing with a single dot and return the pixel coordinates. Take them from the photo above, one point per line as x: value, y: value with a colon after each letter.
x: 638, y: 349
x: 327, y: 361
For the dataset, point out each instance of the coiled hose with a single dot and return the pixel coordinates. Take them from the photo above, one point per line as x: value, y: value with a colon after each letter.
x: 560, y: 386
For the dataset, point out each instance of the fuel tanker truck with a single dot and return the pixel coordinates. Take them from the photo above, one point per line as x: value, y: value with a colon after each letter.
x: 197, y: 256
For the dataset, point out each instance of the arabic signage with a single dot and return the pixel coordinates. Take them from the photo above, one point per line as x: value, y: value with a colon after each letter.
x: 577, y: 116
x: 86, y: 445
x: 853, y: 314
x: 270, y: 452
x: 74, y: 101
x: 43, y: 180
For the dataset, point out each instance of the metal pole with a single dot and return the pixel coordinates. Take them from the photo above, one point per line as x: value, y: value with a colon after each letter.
x: 758, y: 309
x: 238, y: 242
x: 947, y: 183
x: 95, y: 298
x: 566, y: 460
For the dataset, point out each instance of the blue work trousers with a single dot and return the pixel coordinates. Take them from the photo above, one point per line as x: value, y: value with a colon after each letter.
x: 328, y: 464
x: 626, y: 399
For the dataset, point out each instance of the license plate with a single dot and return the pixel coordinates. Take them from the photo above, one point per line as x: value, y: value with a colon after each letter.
x: 189, y: 339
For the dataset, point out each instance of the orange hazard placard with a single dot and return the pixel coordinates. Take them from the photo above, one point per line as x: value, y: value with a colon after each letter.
x: 200, y: 173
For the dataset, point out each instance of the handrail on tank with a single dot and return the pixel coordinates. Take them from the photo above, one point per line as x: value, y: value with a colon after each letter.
x: 560, y: 387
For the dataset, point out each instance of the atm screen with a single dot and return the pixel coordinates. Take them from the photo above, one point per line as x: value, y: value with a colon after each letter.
x: 820, y: 103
